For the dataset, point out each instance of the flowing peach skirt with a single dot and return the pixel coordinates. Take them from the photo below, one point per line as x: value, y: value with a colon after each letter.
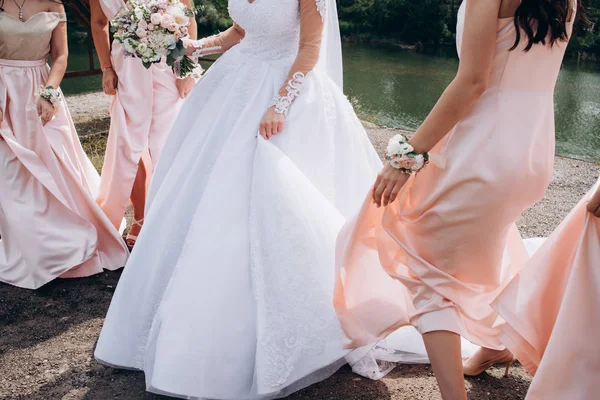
x: 49, y: 221
x: 439, y: 255
x: 552, y: 311
x: 142, y: 113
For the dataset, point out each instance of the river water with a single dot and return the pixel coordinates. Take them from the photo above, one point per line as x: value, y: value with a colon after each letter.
x: 396, y: 88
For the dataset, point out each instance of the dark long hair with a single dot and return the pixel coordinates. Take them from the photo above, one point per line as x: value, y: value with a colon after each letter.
x: 546, y: 21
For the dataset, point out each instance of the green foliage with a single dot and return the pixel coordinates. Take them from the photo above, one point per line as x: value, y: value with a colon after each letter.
x: 212, y: 16
x: 426, y: 21
x: 431, y: 23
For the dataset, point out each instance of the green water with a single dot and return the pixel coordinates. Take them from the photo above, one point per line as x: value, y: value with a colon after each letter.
x: 395, y: 88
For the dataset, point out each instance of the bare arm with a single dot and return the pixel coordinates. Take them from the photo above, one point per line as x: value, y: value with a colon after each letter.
x: 100, y: 34
x: 193, y: 27
x: 471, y: 81
x: 59, y: 51
x: 477, y: 55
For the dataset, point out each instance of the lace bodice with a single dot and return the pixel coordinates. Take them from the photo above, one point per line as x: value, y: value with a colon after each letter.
x: 272, y: 27
x: 29, y: 40
x: 287, y: 32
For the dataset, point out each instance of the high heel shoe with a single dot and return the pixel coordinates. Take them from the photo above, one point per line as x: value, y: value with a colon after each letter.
x: 131, y: 239
x: 504, y: 357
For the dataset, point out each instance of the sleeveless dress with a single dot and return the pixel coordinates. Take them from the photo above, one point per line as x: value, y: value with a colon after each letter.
x: 434, y: 259
x: 552, y: 310
x: 141, y: 115
x: 49, y: 221
x: 228, y: 292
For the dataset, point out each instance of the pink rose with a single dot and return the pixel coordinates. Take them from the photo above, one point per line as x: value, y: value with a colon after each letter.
x: 165, y: 21
x: 406, y: 162
x: 155, y: 18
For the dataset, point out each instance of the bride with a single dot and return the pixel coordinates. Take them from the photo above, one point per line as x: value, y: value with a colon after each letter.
x: 228, y: 292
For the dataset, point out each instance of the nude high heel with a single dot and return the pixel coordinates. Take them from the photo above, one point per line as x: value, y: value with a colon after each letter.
x: 131, y: 239
x: 505, y: 357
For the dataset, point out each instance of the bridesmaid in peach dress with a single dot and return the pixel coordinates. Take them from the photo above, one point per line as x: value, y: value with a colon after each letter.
x: 552, y: 309
x: 145, y: 105
x: 433, y: 258
x: 50, y: 223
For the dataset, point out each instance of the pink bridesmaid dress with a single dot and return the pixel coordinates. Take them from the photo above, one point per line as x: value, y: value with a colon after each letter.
x: 142, y: 113
x: 434, y: 258
x: 552, y: 311
x: 50, y: 223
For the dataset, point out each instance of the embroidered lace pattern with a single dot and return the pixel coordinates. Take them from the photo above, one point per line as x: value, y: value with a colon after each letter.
x: 283, y: 103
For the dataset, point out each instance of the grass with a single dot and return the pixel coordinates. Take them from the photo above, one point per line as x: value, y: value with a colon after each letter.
x: 95, y: 145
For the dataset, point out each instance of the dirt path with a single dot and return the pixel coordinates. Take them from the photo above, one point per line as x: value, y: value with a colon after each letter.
x: 47, y: 336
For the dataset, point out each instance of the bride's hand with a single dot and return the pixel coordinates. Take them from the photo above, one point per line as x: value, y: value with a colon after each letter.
x: 388, y: 185
x: 594, y: 204
x: 271, y: 124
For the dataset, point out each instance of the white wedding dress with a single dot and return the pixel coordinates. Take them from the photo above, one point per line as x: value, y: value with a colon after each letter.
x: 228, y: 292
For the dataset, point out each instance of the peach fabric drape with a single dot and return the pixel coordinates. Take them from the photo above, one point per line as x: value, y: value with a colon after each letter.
x: 435, y: 257
x: 552, y: 311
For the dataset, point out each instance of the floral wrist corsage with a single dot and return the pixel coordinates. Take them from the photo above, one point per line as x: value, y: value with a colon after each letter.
x: 402, y: 156
x: 50, y: 94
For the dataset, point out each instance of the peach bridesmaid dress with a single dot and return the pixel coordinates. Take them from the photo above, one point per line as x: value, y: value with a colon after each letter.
x: 552, y: 311
x: 434, y: 258
x: 49, y: 221
x: 142, y: 113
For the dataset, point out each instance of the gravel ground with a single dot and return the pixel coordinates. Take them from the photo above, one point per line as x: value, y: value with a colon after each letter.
x: 47, y: 336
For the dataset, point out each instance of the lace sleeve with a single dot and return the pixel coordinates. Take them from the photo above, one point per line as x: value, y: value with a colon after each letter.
x: 312, y: 13
x: 219, y: 43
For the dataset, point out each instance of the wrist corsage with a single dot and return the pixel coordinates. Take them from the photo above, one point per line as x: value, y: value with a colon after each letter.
x: 402, y: 156
x: 50, y: 94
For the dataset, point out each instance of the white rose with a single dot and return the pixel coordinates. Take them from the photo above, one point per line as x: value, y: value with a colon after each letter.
x: 178, y: 15
x: 165, y: 21
x: 142, y: 48
x: 393, y: 147
x: 399, y: 138
x: 143, y: 24
x: 141, y: 32
x: 420, y: 159
x: 405, y: 148
x: 155, y: 18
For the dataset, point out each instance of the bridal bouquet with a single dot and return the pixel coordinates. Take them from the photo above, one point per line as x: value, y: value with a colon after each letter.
x: 154, y: 29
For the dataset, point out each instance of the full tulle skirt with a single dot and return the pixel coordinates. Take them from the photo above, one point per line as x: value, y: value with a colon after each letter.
x: 551, y: 309
x: 228, y: 291
x: 142, y: 114
x: 50, y: 223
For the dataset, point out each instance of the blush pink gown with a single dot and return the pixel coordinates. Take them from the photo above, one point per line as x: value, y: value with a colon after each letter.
x: 142, y: 113
x: 50, y: 223
x: 552, y: 311
x: 434, y: 258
